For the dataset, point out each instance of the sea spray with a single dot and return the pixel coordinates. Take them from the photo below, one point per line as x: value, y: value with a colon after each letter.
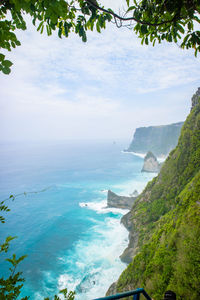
x: 94, y: 262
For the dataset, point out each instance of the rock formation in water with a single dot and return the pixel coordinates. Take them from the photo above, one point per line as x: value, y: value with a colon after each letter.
x: 114, y: 200
x: 158, y: 139
x: 150, y: 163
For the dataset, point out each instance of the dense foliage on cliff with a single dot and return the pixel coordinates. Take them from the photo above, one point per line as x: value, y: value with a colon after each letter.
x: 153, y: 21
x: 167, y: 218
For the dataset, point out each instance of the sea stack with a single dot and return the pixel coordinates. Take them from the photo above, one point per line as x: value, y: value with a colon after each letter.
x: 150, y: 163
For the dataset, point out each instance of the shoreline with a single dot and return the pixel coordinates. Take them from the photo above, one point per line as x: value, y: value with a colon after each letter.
x: 129, y: 252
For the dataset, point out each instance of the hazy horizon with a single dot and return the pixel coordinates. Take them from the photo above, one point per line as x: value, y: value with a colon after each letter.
x: 63, y: 88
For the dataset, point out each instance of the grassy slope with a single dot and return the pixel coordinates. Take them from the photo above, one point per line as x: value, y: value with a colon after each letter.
x: 167, y: 217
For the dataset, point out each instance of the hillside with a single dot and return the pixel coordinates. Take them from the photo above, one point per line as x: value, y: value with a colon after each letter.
x: 158, y: 139
x: 166, y: 219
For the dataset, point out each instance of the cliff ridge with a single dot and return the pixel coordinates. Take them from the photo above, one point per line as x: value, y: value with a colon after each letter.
x: 164, y: 224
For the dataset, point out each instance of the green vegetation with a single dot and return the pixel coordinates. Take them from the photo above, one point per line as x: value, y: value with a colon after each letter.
x: 153, y: 20
x: 167, y: 218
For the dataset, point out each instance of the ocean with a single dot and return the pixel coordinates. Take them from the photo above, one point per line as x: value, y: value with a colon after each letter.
x: 59, y: 213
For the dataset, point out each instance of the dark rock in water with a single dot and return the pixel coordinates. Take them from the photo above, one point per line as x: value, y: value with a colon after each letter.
x: 113, y: 200
x: 150, y: 163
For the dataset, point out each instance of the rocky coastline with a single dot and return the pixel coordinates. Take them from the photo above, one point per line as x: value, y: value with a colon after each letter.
x: 125, y: 202
x: 114, y: 200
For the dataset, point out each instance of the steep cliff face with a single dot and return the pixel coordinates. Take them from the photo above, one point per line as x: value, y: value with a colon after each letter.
x: 150, y: 163
x: 158, y: 139
x: 114, y: 200
x: 166, y: 220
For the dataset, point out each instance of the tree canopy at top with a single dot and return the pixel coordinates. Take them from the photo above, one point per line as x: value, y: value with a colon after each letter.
x: 152, y: 20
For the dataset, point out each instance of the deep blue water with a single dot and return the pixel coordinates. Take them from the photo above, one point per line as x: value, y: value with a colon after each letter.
x: 71, y: 239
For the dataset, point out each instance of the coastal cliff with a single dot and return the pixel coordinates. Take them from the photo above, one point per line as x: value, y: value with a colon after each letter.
x: 158, y: 139
x: 114, y: 200
x: 164, y: 224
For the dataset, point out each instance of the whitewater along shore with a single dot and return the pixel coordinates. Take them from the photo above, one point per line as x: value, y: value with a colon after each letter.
x: 124, y: 202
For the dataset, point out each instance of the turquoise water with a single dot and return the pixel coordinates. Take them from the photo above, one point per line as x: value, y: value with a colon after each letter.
x: 71, y: 239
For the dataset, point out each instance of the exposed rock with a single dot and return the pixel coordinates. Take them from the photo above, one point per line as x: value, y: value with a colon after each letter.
x: 113, y: 200
x: 195, y: 98
x: 150, y: 163
x: 158, y: 139
x: 126, y: 220
x: 112, y: 289
x: 131, y: 250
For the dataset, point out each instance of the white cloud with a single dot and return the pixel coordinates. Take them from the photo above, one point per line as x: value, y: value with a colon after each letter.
x: 62, y: 88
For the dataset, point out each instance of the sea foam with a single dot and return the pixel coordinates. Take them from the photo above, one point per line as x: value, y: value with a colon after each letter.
x: 101, y: 207
x: 95, y: 262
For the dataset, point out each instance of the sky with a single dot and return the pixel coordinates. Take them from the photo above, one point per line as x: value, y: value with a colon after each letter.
x: 63, y: 89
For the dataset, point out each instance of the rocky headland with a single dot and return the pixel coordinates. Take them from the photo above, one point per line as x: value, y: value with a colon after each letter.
x: 158, y: 139
x: 114, y: 200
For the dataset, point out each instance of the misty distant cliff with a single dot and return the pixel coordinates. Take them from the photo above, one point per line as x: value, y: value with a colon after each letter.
x: 158, y: 139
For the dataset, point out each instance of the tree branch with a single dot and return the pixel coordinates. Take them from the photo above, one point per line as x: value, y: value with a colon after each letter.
x: 116, y: 16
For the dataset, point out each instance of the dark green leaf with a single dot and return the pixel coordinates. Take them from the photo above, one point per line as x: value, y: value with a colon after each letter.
x: 144, y: 29
x: 130, y: 8
x: 2, y: 56
x: 6, y: 70
x: 60, y: 32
